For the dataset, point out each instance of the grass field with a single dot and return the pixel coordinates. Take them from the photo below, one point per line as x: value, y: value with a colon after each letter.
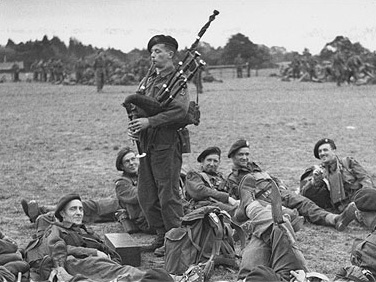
x: 59, y: 139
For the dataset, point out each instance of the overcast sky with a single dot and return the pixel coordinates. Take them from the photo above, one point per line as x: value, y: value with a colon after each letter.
x: 128, y: 24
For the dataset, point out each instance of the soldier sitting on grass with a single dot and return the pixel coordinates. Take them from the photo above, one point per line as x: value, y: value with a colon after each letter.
x: 333, y: 183
x: 207, y: 186
x: 251, y: 184
x: 124, y: 207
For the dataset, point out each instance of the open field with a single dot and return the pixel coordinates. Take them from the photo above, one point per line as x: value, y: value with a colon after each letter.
x: 59, y: 139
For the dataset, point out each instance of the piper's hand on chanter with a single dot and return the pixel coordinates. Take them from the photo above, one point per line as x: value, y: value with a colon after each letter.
x: 133, y: 136
x: 138, y: 124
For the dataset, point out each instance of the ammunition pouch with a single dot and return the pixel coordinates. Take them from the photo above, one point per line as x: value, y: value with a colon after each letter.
x: 184, y: 140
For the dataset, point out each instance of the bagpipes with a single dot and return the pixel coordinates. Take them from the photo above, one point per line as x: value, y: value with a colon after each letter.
x: 184, y: 72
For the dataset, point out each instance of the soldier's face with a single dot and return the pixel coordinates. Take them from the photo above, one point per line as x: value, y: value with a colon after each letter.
x: 210, y: 163
x: 130, y: 163
x: 73, y: 212
x: 241, y: 157
x: 326, y: 153
x: 161, y: 56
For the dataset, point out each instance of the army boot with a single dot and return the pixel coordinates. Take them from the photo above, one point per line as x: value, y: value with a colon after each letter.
x: 246, y: 195
x: 344, y: 219
x: 31, y: 209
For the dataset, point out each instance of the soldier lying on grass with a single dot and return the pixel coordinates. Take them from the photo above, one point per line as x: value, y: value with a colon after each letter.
x: 69, y: 249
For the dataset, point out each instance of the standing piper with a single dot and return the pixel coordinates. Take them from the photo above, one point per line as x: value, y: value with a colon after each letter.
x: 159, y: 170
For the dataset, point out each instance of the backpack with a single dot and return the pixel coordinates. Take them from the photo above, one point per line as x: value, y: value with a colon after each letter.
x: 204, y: 239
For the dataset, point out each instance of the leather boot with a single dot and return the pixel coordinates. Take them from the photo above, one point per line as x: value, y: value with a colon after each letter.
x: 344, y: 219
x: 246, y: 195
x: 31, y: 209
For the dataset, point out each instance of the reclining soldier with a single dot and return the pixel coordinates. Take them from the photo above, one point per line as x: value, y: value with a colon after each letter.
x: 252, y: 183
x: 363, y: 253
x: 69, y: 248
x: 333, y: 183
x: 207, y: 186
x: 12, y: 265
x: 125, y: 207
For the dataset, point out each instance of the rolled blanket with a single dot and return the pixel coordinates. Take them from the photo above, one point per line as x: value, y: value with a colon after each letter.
x: 7, y: 247
x: 17, y: 266
x: 5, y: 258
x: 5, y: 274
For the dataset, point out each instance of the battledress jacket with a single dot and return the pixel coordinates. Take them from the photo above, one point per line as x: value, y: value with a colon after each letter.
x: 202, y: 186
x: 126, y: 193
x: 65, y: 238
x: 163, y: 126
x: 207, y: 189
x: 354, y: 177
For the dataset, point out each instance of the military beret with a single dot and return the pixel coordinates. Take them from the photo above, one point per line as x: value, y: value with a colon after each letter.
x: 63, y: 202
x: 163, y: 39
x: 319, y: 143
x: 365, y: 199
x: 207, y: 152
x: 236, y: 146
x: 120, y: 156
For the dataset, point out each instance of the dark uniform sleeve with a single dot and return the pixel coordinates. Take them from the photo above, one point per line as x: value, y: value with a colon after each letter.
x: 199, y: 190
x: 126, y: 192
x: 361, y: 175
x: 316, y: 192
x: 58, y: 249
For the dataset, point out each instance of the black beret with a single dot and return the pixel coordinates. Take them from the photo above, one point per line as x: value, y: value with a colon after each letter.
x: 119, y: 158
x: 236, y: 146
x: 207, y: 152
x: 319, y: 143
x: 63, y: 202
x: 162, y: 39
x: 365, y: 199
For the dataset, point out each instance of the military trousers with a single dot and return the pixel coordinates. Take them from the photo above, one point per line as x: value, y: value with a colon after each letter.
x: 269, y: 244
x: 102, y: 269
x: 158, y: 186
x: 101, y: 210
x: 305, y: 207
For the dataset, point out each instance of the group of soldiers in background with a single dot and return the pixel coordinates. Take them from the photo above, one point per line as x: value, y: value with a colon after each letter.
x: 343, y: 67
x: 102, y: 70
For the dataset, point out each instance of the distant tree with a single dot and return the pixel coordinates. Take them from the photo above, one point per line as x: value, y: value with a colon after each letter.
x: 238, y: 44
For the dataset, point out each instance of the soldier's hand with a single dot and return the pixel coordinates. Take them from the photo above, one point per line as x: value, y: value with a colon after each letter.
x: 132, y: 135
x: 101, y: 254
x: 233, y: 202
x: 318, y: 175
x: 139, y: 124
x: 298, y: 276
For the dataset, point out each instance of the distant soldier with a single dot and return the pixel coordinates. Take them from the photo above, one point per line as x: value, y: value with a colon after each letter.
x: 99, y: 68
x: 79, y: 68
x: 354, y: 67
x: 33, y: 69
x: 296, y: 67
x: 16, y: 72
x: 248, y: 66
x: 50, y: 70
x: 239, y: 66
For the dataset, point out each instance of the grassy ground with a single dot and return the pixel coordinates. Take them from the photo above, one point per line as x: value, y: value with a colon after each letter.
x: 59, y: 139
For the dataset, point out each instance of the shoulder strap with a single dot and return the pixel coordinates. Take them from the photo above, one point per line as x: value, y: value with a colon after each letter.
x: 205, y: 177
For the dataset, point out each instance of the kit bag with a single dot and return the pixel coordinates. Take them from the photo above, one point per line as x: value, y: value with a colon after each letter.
x: 204, y: 239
